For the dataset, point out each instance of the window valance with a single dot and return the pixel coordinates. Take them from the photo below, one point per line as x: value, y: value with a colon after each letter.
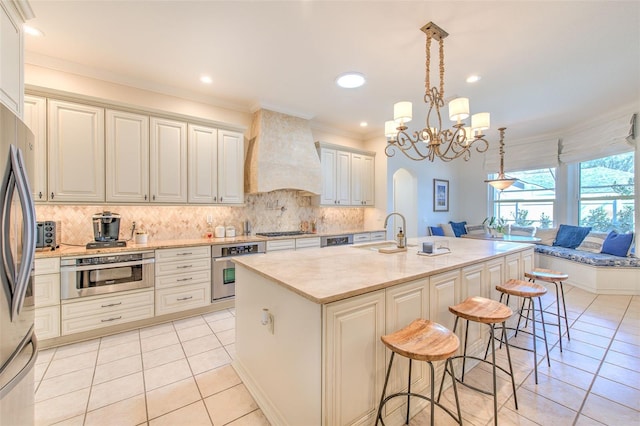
x: 525, y: 154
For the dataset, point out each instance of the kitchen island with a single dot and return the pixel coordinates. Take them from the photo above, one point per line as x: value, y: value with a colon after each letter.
x: 308, y: 323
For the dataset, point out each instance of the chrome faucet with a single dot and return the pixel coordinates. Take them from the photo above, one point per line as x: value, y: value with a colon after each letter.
x: 404, y: 228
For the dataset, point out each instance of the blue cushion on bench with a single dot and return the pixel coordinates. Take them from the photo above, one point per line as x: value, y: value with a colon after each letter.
x: 617, y: 244
x: 458, y: 228
x: 436, y: 231
x: 570, y: 236
x: 593, y: 259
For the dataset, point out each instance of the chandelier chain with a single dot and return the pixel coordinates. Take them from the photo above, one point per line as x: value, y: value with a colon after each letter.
x: 427, y: 82
x: 441, y: 68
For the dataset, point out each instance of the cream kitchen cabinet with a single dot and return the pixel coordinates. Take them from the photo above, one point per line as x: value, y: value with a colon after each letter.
x: 183, y: 279
x: 362, y: 179
x: 276, y: 245
x: 12, y: 16
x: 102, y: 311
x: 127, y: 157
x: 46, y: 290
x: 378, y: 236
x: 168, y: 161
x: 35, y: 116
x: 353, y: 328
x: 76, y: 152
x: 311, y: 242
x: 336, y: 177
x: 216, y: 166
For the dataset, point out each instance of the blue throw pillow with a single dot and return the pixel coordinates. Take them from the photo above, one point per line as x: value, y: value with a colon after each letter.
x: 571, y: 236
x: 458, y: 228
x: 436, y: 231
x: 617, y: 244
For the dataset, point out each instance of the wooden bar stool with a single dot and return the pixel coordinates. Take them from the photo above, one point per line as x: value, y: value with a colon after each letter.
x: 422, y: 340
x: 556, y: 278
x: 490, y: 312
x: 529, y: 291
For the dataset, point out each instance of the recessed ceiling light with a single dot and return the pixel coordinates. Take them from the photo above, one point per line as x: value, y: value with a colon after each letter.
x: 32, y: 31
x: 473, y: 78
x: 363, y: 124
x: 350, y: 80
x: 206, y: 79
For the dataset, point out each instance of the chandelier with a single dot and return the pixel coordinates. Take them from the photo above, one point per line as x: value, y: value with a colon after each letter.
x: 435, y: 141
x: 501, y: 182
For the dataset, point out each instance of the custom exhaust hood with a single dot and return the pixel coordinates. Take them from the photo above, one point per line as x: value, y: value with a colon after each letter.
x: 281, y: 155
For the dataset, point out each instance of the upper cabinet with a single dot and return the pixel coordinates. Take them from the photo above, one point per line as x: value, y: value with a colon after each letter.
x: 127, y: 154
x: 12, y: 58
x: 216, y: 159
x: 76, y: 152
x: 35, y: 116
x: 168, y: 165
x: 347, y: 176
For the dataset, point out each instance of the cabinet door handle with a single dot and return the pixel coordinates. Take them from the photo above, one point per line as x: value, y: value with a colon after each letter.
x: 145, y: 197
x: 185, y: 266
x: 185, y: 279
x: 154, y: 198
x: 52, y: 195
x: 215, y: 198
x: 220, y: 199
x: 184, y: 254
x: 40, y: 194
x: 111, y: 304
x: 185, y: 298
x: 112, y: 319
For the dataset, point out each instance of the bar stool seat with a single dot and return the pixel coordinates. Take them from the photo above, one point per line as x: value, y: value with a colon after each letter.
x: 556, y: 278
x: 490, y: 312
x: 528, y: 291
x: 422, y: 340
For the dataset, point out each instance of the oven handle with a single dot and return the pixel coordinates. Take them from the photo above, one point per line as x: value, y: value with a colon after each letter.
x: 74, y: 268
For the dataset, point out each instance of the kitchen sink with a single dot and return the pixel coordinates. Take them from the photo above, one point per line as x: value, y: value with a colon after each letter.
x: 380, y: 245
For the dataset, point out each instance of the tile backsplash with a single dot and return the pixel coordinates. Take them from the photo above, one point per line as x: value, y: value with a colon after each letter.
x: 272, y: 211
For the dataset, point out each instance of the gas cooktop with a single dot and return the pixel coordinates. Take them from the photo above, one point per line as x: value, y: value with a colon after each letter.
x: 281, y: 234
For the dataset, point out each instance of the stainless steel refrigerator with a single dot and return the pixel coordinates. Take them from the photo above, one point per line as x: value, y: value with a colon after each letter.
x: 18, y: 344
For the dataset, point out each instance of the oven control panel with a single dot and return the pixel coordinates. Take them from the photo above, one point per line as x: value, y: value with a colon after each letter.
x: 239, y: 249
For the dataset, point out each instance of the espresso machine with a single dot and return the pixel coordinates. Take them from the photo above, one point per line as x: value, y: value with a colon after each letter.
x: 106, y: 230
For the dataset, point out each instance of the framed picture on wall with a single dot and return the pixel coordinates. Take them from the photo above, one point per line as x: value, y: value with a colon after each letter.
x: 440, y: 195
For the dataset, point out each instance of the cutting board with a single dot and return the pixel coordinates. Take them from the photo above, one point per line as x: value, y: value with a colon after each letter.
x: 392, y: 250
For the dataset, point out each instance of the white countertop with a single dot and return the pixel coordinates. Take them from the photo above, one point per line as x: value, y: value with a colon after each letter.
x: 329, y: 274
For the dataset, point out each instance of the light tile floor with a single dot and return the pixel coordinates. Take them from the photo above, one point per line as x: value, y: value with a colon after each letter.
x: 179, y: 373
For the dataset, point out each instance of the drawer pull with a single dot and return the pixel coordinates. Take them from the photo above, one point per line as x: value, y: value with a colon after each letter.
x: 185, y: 279
x: 184, y: 254
x: 185, y: 266
x: 111, y: 304
x: 112, y: 319
x: 185, y: 298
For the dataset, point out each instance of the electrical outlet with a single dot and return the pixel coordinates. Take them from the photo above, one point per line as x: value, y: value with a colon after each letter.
x: 209, y: 218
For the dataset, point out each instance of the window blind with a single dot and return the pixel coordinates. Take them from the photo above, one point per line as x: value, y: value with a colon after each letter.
x: 613, y: 136
x: 525, y: 154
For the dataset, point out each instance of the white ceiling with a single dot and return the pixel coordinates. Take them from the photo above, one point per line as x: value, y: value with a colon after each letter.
x: 545, y: 65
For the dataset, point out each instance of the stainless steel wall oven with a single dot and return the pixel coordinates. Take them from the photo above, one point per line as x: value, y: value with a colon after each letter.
x: 102, y: 274
x: 223, y: 279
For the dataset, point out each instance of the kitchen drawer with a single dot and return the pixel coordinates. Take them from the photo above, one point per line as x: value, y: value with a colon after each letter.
x: 275, y: 245
x: 307, y: 242
x: 186, y: 266
x: 107, y: 305
x: 46, y: 289
x: 361, y: 238
x: 92, y: 322
x: 181, y: 298
x: 378, y: 236
x: 47, y: 266
x: 47, y: 322
x: 170, y: 255
x: 193, y: 277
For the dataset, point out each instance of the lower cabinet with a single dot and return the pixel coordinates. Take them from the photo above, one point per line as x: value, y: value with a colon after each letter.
x: 312, y: 242
x: 183, y: 279
x: 103, y: 311
x: 46, y: 289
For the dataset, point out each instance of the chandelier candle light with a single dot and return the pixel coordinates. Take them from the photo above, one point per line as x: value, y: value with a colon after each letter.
x: 501, y: 182
x: 434, y: 141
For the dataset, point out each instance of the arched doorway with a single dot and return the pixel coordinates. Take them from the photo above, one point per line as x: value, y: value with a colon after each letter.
x: 405, y: 201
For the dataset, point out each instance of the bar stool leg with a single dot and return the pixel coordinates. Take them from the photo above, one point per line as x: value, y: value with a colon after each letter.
x: 384, y: 390
x: 513, y: 379
x: 495, y: 384
x: 455, y: 388
x: 464, y: 360
x: 564, y: 307
x: 535, y: 343
x: 409, y: 392
x: 559, y: 317
x: 544, y: 330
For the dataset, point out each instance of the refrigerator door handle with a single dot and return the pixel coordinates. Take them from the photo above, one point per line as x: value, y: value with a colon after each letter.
x: 28, y: 230
x: 24, y: 370
x: 6, y: 197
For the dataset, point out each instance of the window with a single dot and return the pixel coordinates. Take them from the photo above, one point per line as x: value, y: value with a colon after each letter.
x: 607, y: 193
x: 529, y: 201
